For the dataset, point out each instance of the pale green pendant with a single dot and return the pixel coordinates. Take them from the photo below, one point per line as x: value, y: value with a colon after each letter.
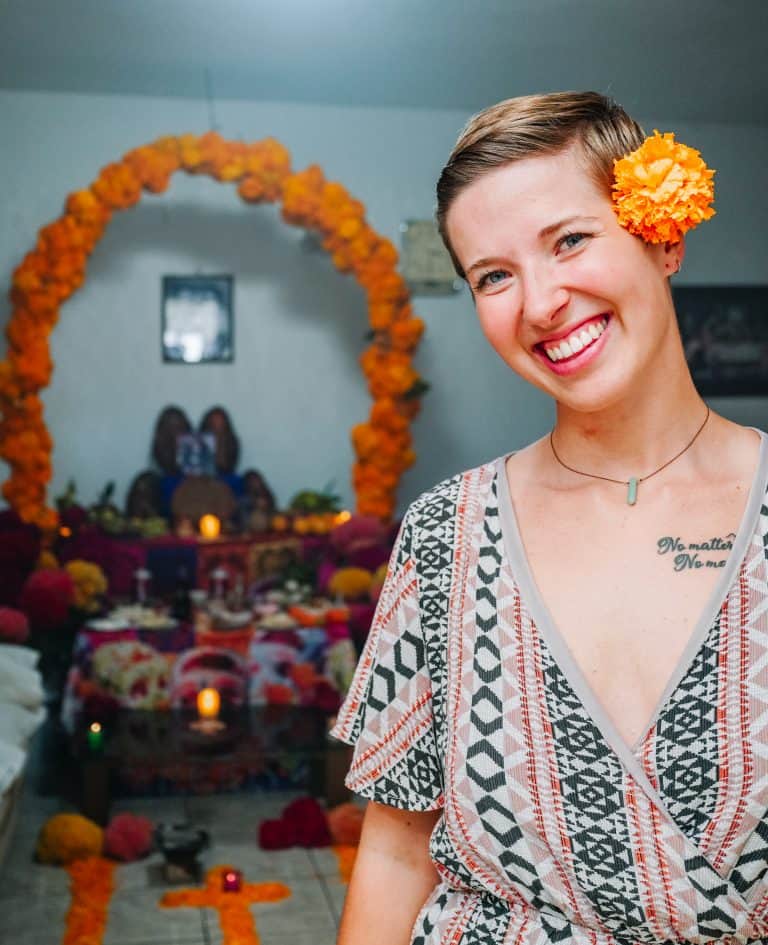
x: 632, y: 491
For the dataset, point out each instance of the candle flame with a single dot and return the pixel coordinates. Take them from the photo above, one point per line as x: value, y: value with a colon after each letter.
x: 95, y: 727
x: 210, y: 526
x: 208, y: 703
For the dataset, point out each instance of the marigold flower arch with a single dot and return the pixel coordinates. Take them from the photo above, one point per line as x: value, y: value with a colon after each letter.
x: 56, y: 267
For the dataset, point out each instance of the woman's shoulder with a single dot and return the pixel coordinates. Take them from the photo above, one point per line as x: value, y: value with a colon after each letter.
x: 443, y: 502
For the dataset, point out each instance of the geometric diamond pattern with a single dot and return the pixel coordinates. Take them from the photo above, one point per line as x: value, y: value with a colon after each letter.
x: 549, y: 832
x: 686, y: 740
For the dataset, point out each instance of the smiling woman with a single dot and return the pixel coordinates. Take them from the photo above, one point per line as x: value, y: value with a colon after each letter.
x: 559, y: 711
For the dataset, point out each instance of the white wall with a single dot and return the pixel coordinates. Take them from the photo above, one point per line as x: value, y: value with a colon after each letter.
x: 295, y: 388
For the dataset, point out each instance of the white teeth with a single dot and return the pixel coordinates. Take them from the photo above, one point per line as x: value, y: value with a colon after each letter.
x: 577, y: 341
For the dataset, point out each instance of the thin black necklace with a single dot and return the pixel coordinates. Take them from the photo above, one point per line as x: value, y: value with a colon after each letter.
x: 634, y: 481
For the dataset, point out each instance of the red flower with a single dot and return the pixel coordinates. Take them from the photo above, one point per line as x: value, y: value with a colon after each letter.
x: 303, y: 824
x: 46, y: 598
x: 325, y: 697
x: 277, y: 835
x: 309, y: 819
x: 128, y: 837
x: 19, y: 550
x: 14, y: 626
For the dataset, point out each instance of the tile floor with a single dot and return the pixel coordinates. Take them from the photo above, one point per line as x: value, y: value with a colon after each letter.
x: 34, y: 898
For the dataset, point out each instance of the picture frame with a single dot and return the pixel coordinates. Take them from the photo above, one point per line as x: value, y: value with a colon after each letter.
x: 725, y: 338
x: 197, y: 319
x: 425, y: 263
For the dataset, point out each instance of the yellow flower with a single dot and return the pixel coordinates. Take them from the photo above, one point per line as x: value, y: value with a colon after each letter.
x: 67, y: 837
x: 47, y: 561
x: 350, y: 583
x: 662, y: 189
x: 90, y: 583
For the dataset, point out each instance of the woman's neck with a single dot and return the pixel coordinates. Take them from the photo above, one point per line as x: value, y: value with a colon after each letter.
x: 632, y: 438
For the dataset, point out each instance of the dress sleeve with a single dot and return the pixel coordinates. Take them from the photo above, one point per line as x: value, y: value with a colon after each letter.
x: 387, y: 714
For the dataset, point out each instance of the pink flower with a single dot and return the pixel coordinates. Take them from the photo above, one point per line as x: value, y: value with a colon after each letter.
x: 46, y: 598
x: 128, y: 837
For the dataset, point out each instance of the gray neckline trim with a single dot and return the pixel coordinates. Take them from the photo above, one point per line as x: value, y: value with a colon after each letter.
x: 536, y: 607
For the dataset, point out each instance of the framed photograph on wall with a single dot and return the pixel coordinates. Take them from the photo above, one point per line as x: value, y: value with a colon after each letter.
x: 725, y: 336
x: 197, y: 319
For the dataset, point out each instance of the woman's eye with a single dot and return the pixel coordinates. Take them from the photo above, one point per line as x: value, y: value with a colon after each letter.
x: 570, y: 240
x: 490, y: 279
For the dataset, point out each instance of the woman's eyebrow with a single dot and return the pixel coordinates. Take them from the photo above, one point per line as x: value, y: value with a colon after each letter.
x: 554, y: 227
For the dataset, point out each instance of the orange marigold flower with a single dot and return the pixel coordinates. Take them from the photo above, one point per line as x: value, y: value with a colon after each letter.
x: 406, y: 335
x: 61, y: 236
x: 85, y: 206
x: 154, y: 164
x: 381, y: 315
x: 253, y: 189
x: 662, y: 189
x: 387, y: 414
x: 117, y: 186
x: 56, y: 268
x: 33, y: 365
x: 349, y: 228
x: 43, y: 303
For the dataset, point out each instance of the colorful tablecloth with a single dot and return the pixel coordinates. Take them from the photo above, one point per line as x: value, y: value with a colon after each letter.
x: 161, y: 669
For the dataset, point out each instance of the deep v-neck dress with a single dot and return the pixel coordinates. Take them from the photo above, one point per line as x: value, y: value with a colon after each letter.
x: 467, y: 700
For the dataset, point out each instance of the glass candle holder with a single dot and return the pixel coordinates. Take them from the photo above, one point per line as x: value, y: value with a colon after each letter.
x: 95, y: 736
x: 231, y: 880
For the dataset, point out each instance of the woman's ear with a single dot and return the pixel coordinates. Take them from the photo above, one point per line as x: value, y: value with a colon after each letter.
x: 674, y: 254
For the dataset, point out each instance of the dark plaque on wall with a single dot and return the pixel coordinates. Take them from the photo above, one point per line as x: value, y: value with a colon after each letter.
x: 725, y: 336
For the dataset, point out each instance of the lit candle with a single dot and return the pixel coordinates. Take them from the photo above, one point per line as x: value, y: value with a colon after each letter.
x: 95, y: 736
x: 219, y: 580
x: 208, y: 703
x: 231, y: 880
x: 141, y: 579
x: 210, y: 527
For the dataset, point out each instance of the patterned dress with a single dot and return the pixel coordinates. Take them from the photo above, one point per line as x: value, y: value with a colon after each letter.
x: 552, y: 828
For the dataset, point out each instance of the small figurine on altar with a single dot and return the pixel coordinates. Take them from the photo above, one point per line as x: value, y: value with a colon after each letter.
x: 145, y: 497
x: 257, y: 503
x: 171, y: 424
x: 227, y: 445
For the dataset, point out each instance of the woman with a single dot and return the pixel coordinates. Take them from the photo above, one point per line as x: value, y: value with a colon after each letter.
x: 564, y: 684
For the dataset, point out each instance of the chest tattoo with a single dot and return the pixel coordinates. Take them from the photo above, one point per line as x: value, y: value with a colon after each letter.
x: 692, y: 555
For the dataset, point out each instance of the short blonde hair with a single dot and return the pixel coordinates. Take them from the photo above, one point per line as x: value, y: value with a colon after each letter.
x: 534, y: 125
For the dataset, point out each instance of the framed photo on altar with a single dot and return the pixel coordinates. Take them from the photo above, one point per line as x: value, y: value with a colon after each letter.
x: 725, y: 337
x: 197, y: 319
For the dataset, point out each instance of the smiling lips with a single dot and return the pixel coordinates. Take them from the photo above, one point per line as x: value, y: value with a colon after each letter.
x: 580, y: 338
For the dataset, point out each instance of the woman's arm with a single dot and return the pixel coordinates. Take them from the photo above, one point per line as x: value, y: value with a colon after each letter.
x: 392, y: 878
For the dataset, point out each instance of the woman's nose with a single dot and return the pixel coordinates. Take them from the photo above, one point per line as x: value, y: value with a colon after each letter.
x: 544, y: 296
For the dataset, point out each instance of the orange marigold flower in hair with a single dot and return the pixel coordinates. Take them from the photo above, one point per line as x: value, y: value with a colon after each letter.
x: 662, y: 189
